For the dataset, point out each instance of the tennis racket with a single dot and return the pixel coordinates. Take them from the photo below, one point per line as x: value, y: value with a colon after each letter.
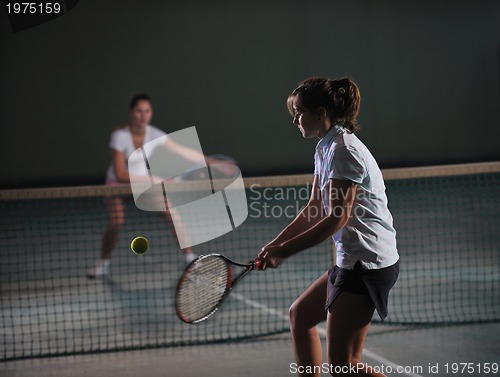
x: 205, y: 284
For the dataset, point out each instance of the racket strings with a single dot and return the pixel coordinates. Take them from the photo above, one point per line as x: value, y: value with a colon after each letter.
x: 202, y: 288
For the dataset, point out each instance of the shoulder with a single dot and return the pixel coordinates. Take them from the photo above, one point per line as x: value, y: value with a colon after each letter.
x: 349, y: 157
x: 119, y: 138
x: 350, y: 143
x: 120, y: 131
x: 348, y: 152
x: 345, y: 143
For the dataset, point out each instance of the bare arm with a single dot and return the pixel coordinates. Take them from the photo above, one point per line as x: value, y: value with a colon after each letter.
x: 121, y: 172
x: 119, y: 166
x: 309, y: 216
x: 185, y: 152
x: 342, y: 195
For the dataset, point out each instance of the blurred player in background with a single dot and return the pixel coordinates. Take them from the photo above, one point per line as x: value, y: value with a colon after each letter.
x: 124, y: 141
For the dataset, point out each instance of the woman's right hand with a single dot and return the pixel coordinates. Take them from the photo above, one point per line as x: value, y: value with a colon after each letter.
x: 270, y: 257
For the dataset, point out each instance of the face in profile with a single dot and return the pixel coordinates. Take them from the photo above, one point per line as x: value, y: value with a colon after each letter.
x: 305, y: 120
x: 141, y: 113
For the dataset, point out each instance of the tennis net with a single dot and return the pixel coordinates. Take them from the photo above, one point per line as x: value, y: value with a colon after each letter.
x: 446, y: 219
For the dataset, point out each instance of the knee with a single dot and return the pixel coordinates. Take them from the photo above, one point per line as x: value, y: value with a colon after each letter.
x: 292, y: 314
x: 115, y: 226
x: 297, y: 315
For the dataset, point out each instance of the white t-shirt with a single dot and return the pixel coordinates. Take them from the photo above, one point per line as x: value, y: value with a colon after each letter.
x: 369, y: 235
x: 122, y: 141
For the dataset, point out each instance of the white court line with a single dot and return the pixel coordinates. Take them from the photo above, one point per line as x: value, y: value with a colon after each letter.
x: 322, y: 331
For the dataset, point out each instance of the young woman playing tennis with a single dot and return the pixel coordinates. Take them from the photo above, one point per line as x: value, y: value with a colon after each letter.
x: 124, y: 141
x: 348, y: 195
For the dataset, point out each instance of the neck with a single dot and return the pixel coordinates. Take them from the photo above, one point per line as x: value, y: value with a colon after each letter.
x: 137, y: 129
x: 324, y: 130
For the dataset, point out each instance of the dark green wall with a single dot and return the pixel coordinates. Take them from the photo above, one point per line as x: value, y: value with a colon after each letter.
x: 428, y: 73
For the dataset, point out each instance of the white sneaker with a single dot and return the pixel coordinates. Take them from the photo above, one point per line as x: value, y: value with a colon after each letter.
x: 189, y: 257
x: 100, y: 269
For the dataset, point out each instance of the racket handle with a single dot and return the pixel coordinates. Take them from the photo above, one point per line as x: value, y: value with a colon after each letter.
x: 256, y: 263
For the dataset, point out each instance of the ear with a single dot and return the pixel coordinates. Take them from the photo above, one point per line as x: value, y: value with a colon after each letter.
x: 321, y: 113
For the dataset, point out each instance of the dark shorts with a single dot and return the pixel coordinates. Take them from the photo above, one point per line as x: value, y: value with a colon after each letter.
x: 373, y: 283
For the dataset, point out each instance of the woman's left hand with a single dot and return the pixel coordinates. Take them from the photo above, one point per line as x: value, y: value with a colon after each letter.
x: 270, y: 257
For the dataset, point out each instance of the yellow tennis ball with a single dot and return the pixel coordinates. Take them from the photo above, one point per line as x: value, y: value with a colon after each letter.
x: 139, y: 245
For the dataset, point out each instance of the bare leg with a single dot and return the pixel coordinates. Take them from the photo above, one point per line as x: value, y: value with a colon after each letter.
x: 305, y: 313
x: 348, y: 322
x: 116, y: 219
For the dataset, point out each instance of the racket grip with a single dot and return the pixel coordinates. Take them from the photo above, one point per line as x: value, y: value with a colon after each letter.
x: 257, y: 263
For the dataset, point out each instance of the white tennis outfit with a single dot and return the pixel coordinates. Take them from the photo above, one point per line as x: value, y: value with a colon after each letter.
x: 369, y: 236
x: 122, y: 141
